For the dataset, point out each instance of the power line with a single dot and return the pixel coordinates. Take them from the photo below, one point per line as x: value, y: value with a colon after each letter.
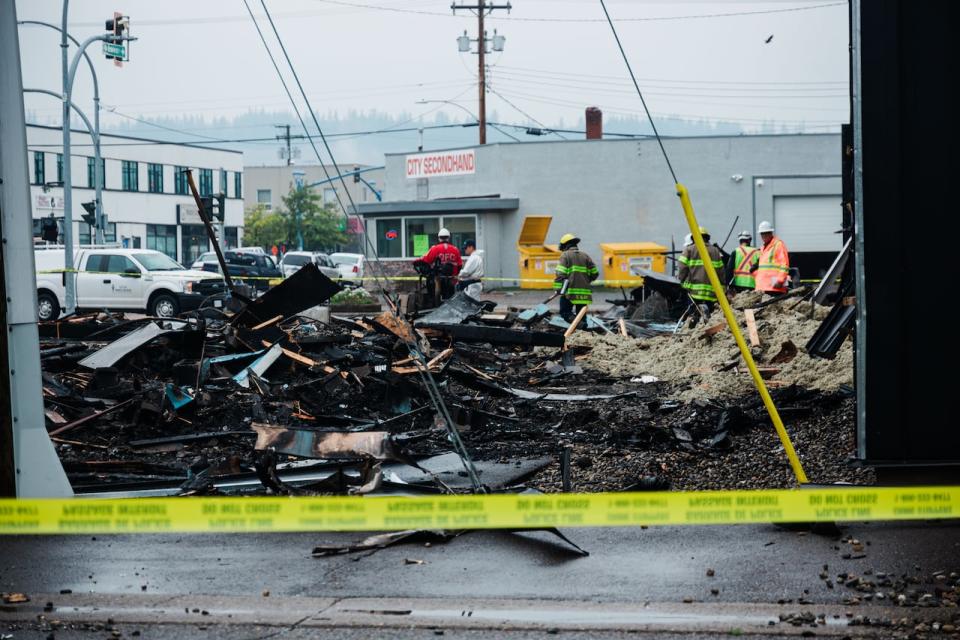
x: 624, y: 79
x: 700, y: 16
x: 579, y: 85
x: 553, y: 131
x: 429, y: 383
x: 271, y: 140
x: 375, y: 7
x: 559, y: 102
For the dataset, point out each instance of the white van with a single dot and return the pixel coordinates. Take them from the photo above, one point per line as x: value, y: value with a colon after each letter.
x: 110, y: 277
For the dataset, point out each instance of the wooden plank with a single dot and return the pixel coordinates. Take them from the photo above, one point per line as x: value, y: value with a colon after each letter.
x: 443, y: 355
x: 715, y: 329
x: 752, y: 327
x: 576, y: 322
x: 623, y: 326
x: 267, y: 323
x: 293, y: 355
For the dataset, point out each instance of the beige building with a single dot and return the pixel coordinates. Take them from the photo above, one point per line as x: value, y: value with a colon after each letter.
x: 267, y: 185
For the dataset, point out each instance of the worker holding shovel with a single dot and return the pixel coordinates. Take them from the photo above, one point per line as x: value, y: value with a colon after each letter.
x: 575, y: 272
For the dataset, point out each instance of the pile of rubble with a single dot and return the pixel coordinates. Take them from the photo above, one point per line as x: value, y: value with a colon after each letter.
x: 275, y: 396
x: 704, y: 362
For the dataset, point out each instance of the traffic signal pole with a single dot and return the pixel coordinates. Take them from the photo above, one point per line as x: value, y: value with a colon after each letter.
x: 69, y: 73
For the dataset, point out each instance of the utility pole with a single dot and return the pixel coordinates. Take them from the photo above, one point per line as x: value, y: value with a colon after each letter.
x: 481, y: 9
x: 285, y: 136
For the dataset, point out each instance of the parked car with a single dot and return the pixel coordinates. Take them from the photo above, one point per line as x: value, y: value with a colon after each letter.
x: 211, y: 256
x: 257, y: 270
x: 293, y: 260
x: 121, y: 279
x: 350, y: 266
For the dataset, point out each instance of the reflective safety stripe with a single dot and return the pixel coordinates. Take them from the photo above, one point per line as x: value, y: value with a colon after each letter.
x: 698, y: 293
x: 697, y: 262
x: 562, y: 270
x: 774, y: 267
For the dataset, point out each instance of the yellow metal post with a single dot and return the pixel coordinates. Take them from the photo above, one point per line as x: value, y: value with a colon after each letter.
x: 738, y: 336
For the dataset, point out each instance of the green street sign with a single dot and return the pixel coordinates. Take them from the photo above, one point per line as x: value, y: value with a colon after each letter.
x: 115, y: 50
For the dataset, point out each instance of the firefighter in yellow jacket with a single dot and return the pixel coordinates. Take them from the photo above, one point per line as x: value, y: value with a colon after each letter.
x: 693, y: 273
x: 577, y: 270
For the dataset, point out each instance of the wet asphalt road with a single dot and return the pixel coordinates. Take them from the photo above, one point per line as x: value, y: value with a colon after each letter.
x: 752, y: 563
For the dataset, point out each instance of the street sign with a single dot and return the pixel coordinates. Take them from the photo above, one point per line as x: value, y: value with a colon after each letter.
x: 116, y: 50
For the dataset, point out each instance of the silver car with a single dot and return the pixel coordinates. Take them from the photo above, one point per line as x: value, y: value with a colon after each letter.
x: 293, y: 260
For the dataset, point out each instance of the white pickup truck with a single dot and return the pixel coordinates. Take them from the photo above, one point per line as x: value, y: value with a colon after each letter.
x: 121, y: 279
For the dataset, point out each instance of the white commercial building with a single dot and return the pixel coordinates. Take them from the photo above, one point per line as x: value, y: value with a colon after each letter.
x: 146, y: 199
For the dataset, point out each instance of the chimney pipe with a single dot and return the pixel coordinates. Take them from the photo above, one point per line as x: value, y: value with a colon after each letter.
x: 594, y: 119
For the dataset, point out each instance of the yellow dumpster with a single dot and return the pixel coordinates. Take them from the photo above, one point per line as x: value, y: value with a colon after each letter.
x: 538, y: 261
x: 619, y: 258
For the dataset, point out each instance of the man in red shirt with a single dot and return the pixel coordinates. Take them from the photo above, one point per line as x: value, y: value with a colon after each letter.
x: 446, y: 260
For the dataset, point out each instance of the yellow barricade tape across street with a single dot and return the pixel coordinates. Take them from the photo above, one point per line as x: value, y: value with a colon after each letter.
x: 501, y: 511
x: 635, y: 282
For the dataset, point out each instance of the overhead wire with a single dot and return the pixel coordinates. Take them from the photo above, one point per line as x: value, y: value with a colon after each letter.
x: 524, y: 113
x: 732, y: 14
x: 424, y: 371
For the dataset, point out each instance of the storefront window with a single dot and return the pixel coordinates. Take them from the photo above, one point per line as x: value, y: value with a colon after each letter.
x: 87, y: 237
x: 421, y: 235
x: 229, y: 240
x: 461, y: 229
x: 195, y: 242
x: 389, y: 243
x: 163, y: 237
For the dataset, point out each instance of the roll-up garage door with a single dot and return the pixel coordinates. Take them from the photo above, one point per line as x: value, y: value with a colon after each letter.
x: 808, y: 223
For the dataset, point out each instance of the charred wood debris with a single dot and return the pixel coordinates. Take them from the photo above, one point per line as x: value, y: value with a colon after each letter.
x: 269, y: 396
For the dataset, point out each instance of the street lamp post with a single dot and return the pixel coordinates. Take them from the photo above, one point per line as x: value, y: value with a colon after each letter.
x: 470, y: 113
x: 298, y: 183
x: 97, y: 156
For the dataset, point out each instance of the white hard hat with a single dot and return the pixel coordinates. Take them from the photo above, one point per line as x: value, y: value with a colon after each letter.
x: 688, y: 240
x: 745, y: 235
x: 765, y: 227
x: 443, y: 233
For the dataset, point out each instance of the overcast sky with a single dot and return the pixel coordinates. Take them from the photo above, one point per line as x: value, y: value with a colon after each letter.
x: 205, y: 58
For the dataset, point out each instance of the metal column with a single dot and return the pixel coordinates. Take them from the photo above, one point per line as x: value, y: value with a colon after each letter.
x: 38, y: 472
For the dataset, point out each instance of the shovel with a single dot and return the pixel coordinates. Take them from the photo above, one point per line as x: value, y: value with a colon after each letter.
x: 568, y: 358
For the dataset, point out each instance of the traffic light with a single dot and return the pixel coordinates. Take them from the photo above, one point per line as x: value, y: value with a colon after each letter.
x: 220, y: 210
x: 214, y: 206
x: 356, y: 174
x: 115, y: 48
x: 90, y: 217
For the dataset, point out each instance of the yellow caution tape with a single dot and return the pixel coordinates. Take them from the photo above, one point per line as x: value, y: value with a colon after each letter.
x: 272, y: 514
x: 636, y: 282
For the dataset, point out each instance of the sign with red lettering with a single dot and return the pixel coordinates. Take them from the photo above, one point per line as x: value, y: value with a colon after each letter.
x: 439, y: 164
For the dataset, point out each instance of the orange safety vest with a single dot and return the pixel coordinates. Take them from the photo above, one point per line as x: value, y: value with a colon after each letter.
x: 774, y: 267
